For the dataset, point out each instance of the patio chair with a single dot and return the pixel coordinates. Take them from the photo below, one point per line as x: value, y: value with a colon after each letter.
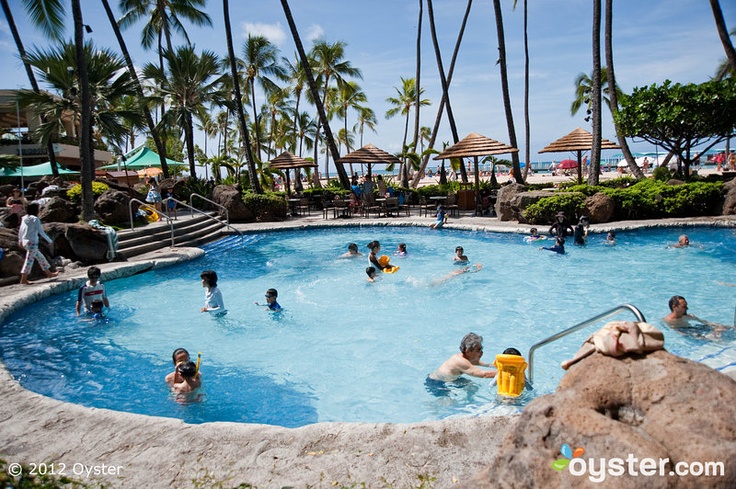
x: 426, y: 206
x: 370, y: 205
x: 303, y: 207
x: 451, y: 204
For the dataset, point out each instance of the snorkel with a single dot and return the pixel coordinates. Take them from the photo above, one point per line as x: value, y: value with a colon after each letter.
x: 199, y: 360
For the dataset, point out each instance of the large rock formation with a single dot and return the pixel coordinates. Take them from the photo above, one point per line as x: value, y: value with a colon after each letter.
x: 78, y: 242
x: 113, y: 207
x: 729, y: 200
x: 229, y: 196
x: 59, y: 210
x: 505, y: 202
x: 599, y: 208
x: 659, y: 406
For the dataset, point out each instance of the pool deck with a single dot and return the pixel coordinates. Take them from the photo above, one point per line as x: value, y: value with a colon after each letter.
x: 99, y: 446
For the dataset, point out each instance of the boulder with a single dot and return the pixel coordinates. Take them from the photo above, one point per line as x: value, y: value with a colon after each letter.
x: 656, y: 406
x: 524, y: 200
x: 78, y: 242
x: 505, y: 209
x: 112, y: 207
x: 599, y: 207
x: 9, y: 219
x: 14, y: 255
x: 230, y: 197
x: 59, y: 210
x: 729, y: 198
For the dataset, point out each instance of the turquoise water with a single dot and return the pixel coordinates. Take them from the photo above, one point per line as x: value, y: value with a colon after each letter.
x: 346, y: 350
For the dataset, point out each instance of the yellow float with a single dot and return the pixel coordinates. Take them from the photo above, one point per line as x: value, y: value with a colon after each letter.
x: 387, y: 268
x: 510, y: 378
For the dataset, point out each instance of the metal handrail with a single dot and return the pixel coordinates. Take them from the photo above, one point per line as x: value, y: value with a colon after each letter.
x: 578, y: 327
x: 191, y: 205
x: 149, y: 206
x: 193, y: 209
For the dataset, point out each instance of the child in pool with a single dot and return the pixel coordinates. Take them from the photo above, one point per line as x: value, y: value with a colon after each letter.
x: 92, y: 290
x: 179, y: 357
x: 611, y: 238
x: 371, y: 272
x: 190, y: 381
x: 441, y: 218
x: 460, y: 255
x: 559, y: 246
x: 401, y: 250
x: 213, y: 302
x: 534, y: 236
x: 352, y: 251
x: 375, y: 247
x: 271, y: 304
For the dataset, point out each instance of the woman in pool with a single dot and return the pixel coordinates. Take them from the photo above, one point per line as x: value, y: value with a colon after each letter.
x: 213, y: 302
x: 375, y: 248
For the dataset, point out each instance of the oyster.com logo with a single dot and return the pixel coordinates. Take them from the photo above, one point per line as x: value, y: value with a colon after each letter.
x: 561, y: 463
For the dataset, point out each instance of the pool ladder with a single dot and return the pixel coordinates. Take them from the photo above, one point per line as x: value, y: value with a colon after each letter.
x: 578, y: 327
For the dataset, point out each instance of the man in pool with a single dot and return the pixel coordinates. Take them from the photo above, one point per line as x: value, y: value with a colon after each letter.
x: 679, y: 319
x: 465, y: 362
x: 352, y: 251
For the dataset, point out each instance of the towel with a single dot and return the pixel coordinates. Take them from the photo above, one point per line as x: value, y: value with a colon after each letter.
x: 618, y: 338
x: 112, y: 238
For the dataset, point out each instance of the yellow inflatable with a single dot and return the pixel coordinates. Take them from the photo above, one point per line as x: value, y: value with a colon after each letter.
x: 510, y: 378
x: 383, y: 260
x: 151, y: 214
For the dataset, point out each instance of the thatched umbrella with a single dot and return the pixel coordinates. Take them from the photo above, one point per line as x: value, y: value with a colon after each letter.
x: 288, y: 161
x: 578, y: 140
x: 369, y: 155
x: 476, y: 145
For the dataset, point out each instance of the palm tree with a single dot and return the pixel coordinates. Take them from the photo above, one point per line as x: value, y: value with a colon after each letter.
x: 296, y: 78
x: 441, y: 108
x: 305, y: 132
x: 417, y: 75
x: 160, y: 147
x: 505, y: 85
x: 31, y: 77
x: 330, y: 64
x: 723, y: 33
x: 611, y: 82
x: 350, y: 96
x: 402, y: 104
x: 279, y: 107
x: 162, y: 17
x: 583, y: 89
x: 595, y: 96
x: 238, y: 99
x: 260, y: 60
x: 445, y: 85
x: 189, y: 84
x: 366, y: 118
x: 49, y: 16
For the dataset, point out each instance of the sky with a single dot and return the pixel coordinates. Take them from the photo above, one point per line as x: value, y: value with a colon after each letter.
x: 653, y: 41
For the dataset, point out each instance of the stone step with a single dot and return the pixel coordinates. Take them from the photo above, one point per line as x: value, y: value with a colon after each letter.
x: 188, y: 231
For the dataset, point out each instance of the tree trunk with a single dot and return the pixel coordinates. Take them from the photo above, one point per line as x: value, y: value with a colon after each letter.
x: 139, y: 90
x: 344, y: 180
x: 445, y: 87
x: 612, y: 95
x: 252, y: 172
x: 527, y: 131
x: 595, y: 151
x: 505, y: 88
x: 417, y: 77
x: 31, y: 77
x: 723, y: 33
x: 438, y: 119
x: 87, y: 173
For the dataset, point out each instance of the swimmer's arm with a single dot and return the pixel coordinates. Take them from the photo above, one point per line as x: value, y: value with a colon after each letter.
x: 78, y: 308
x: 105, y: 301
x: 479, y: 372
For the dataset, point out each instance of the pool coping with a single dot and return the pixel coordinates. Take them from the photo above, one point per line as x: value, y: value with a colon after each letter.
x: 124, y: 449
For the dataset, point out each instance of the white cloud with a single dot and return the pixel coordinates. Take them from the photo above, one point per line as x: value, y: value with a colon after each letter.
x: 315, y: 32
x: 273, y: 32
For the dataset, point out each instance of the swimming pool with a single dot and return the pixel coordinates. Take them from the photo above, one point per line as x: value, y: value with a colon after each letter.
x: 347, y: 350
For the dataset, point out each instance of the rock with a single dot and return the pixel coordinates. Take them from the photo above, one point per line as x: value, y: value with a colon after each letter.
x: 9, y: 219
x: 59, y: 210
x: 78, y: 242
x: 524, y: 200
x: 113, y: 207
x: 599, y: 208
x: 729, y: 198
x: 229, y: 197
x: 505, y: 202
x: 656, y: 406
x: 14, y: 255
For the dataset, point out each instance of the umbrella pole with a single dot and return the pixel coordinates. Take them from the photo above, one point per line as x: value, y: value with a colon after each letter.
x: 288, y: 185
x: 478, y: 202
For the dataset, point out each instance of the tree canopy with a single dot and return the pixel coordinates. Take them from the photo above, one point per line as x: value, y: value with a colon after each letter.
x: 680, y: 117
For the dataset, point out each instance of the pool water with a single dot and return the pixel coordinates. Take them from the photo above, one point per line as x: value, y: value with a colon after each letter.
x: 343, y: 349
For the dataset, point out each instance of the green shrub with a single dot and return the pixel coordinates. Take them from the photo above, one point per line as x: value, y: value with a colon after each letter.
x: 544, y: 210
x: 266, y: 207
x: 662, y: 173
x: 75, y: 193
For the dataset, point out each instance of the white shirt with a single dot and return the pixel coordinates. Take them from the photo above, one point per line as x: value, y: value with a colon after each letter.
x: 30, y: 229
